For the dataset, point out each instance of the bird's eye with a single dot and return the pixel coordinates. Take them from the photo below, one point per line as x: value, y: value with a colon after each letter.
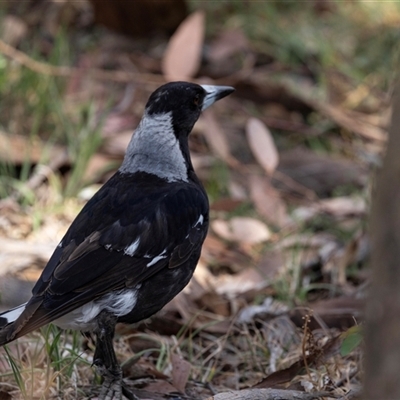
x: 196, y: 100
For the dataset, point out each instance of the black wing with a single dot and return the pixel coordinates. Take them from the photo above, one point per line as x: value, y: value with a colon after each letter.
x: 132, y: 228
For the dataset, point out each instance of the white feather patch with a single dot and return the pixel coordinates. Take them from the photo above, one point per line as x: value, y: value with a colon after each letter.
x: 200, y: 220
x: 130, y: 250
x: 157, y: 258
x: 118, y: 303
x: 13, y: 314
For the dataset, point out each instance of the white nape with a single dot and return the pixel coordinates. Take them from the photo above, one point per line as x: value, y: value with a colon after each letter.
x: 155, y: 149
x: 118, y: 303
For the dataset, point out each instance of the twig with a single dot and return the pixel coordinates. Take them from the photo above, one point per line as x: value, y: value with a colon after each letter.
x: 294, y: 185
x: 96, y: 73
x: 42, y: 172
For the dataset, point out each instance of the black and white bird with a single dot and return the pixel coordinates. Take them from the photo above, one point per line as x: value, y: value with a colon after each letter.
x: 136, y: 243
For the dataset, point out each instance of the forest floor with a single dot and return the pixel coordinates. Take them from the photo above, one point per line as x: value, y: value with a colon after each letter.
x: 275, y: 307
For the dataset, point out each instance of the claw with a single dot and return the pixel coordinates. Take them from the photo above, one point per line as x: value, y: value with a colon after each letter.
x: 115, y: 389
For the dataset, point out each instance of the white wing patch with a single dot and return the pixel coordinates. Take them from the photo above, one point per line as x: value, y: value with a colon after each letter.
x: 130, y: 250
x: 157, y: 258
x: 13, y: 314
x: 200, y: 220
x: 118, y: 303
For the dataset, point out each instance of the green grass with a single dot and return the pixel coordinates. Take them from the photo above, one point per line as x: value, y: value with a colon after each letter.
x: 353, y: 37
x: 33, y: 105
x: 41, y: 361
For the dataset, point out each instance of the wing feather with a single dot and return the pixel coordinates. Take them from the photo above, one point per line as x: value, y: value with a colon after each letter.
x: 92, y: 259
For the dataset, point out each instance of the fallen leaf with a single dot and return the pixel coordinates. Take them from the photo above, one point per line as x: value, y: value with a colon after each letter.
x: 342, y: 206
x: 248, y: 280
x: 341, y: 312
x: 215, y: 303
x: 14, y: 29
x: 320, y: 173
x: 215, y: 136
x: 242, y: 229
x: 183, y: 55
x: 180, y: 372
x: 267, y: 200
x: 338, y: 207
x: 316, y: 354
x: 269, y: 307
x: 270, y: 264
x: 262, y: 145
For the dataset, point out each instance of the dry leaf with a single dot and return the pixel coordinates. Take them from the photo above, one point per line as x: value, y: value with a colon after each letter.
x: 270, y: 264
x: 215, y: 136
x: 343, y: 206
x: 215, y: 303
x: 262, y: 145
x: 183, y: 55
x: 321, y: 173
x: 180, y: 372
x: 14, y: 30
x: 338, y: 207
x: 267, y: 200
x: 248, y: 280
x: 268, y: 308
x: 341, y: 312
x: 242, y: 229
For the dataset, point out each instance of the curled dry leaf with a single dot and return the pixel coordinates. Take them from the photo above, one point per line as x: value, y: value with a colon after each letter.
x: 338, y: 207
x: 14, y: 29
x: 242, y: 229
x: 269, y: 307
x: 215, y: 136
x: 342, y: 206
x: 321, y: 173
x: 267, y: 200
x: 180, y: 372
x: 250, y: 279
x: 262, y: 145
x: 183, y: 54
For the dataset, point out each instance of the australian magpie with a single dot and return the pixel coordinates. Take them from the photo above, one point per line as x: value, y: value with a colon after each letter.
x: 136, y: 243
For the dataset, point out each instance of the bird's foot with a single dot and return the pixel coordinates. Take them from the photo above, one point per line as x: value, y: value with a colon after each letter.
x: 113, y: 387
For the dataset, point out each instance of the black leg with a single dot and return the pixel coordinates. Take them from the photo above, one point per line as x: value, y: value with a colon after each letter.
x: 106, y: 361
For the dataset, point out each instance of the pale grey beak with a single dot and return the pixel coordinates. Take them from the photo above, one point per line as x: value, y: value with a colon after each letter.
x: 215, y: 93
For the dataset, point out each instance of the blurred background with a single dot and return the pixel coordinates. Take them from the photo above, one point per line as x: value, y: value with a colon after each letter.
x: 288, y: 162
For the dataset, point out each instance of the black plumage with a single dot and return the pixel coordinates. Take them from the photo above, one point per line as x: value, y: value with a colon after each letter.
x: 136, y: 243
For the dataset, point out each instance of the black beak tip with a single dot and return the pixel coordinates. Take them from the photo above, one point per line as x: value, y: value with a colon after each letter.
x: 226, y: 91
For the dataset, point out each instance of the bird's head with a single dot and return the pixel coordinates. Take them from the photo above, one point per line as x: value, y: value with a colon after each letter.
x: 184, y: 101
x: 159, y: 145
